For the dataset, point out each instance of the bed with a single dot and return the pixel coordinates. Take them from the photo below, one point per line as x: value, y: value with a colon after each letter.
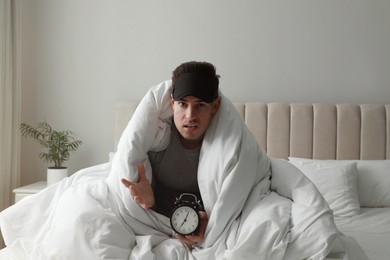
x: 313, y: 135
x: 332, y: 134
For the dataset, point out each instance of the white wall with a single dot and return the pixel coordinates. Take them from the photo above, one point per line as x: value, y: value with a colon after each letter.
x: 79, y: 57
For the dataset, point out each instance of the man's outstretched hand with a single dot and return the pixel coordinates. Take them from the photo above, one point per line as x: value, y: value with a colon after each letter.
x: 141, y: 191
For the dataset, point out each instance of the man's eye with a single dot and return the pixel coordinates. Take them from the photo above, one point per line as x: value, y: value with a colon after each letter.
x: 202, y: 105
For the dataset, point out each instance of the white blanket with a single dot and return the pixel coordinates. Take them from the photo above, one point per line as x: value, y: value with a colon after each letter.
x: 253, y: 213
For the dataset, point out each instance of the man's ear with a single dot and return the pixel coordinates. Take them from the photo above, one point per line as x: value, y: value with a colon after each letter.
x: 216, y: 104
x: 172, y: 101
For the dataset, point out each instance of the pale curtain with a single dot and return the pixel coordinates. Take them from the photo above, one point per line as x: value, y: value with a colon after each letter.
x: 10, y: 106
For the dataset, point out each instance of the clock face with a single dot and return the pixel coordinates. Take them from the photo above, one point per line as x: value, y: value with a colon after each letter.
x: 185, y: 220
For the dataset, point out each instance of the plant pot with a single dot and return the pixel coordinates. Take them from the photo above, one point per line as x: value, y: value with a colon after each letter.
x: 55, y: 175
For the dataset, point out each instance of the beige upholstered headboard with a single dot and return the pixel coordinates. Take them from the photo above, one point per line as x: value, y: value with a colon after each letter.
x: 319, y: 131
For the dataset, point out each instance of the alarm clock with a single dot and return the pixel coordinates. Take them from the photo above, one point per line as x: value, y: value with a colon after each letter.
x: 185, y: 219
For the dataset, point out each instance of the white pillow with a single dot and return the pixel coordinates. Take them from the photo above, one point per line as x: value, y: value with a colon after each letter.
x: 374, y: 183
x: 337, y: 183
x: 373, y: 180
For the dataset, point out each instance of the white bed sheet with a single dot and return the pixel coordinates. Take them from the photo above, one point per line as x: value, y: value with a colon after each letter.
x: 9, y: 254
x: 371, y: 228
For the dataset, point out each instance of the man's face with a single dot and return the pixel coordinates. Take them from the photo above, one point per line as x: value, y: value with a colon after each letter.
x: 192, y: 116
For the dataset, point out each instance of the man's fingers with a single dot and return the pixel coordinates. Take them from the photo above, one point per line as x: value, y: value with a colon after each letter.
x: 193, y: 239
x: 129, y: 185
x: 137, y: 199
x: 184, y: 239
x: 126, y: 182
x: 143, y: 205
x: 202, y: 215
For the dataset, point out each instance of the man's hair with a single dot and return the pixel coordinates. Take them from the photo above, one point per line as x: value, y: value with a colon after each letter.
x: 201, y: 67
x: 197, y: 79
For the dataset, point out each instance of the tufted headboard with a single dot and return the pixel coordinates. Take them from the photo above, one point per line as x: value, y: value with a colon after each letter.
x: 319, y: 131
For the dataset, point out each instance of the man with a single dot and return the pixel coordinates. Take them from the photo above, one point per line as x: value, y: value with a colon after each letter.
x: 194, y: 101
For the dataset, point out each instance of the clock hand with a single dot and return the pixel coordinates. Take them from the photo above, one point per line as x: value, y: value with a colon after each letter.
x: 185, y: 220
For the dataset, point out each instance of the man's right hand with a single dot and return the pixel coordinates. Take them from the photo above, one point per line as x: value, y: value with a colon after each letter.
x: 197, y: 238
x: 141, y: 191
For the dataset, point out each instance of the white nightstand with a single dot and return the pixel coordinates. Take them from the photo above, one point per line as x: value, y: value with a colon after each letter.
x: 30, y: 189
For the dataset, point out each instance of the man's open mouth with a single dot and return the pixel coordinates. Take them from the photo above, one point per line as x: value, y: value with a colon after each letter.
x: 190, y: 126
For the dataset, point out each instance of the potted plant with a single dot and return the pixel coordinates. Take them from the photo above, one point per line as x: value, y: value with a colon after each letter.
x: 58, y: 145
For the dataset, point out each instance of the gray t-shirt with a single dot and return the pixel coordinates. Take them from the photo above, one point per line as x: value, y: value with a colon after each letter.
x: 174, y: 172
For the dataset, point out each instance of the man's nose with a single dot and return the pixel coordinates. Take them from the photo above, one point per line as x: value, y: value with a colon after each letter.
x: 190, y: 113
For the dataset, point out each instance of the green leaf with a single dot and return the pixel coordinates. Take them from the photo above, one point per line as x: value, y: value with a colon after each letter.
x: 58, y: 144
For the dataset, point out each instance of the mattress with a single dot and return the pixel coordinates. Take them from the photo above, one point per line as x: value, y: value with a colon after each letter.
x: 371, y: 228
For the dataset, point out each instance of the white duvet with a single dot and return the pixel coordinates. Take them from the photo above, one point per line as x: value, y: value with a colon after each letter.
x: 258, y: 207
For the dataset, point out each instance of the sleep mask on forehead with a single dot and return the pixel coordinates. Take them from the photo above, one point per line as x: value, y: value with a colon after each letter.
x: 195, y: 84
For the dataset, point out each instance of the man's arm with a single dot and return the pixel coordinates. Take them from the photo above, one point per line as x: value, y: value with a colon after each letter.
x: 141, y: 191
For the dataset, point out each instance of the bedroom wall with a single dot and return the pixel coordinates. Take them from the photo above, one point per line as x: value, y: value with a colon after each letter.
x: 79, y: 57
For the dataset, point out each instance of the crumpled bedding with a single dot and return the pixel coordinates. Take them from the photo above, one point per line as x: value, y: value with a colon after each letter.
x: 258, y: 207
